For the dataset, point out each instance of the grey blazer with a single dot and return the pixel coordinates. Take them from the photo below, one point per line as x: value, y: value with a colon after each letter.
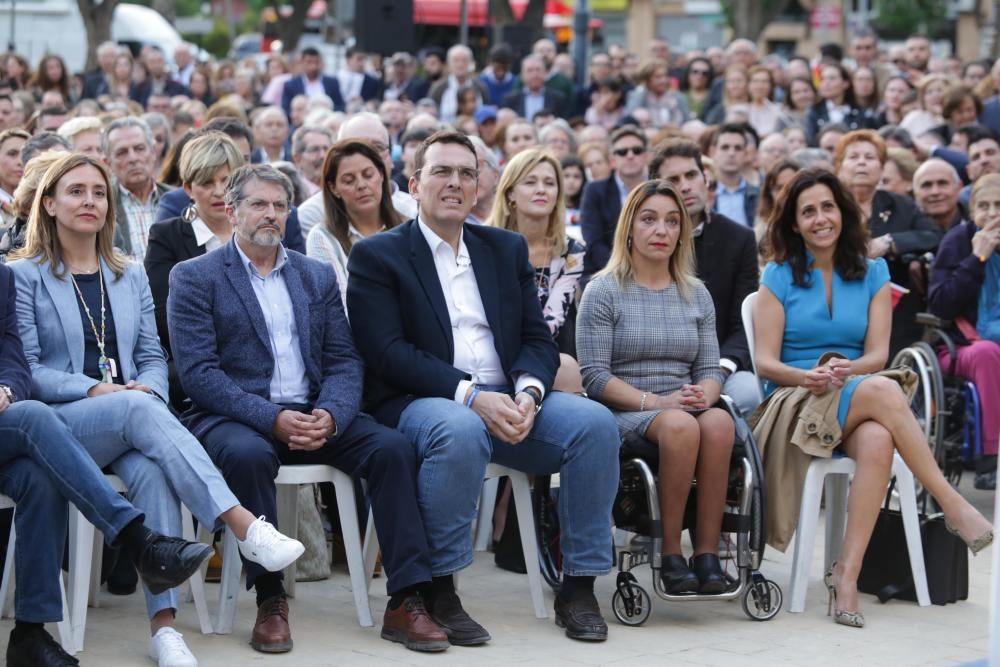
x: 52, y: 331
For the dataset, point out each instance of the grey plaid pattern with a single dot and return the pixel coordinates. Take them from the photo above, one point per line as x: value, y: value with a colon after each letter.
x: 652, y: 339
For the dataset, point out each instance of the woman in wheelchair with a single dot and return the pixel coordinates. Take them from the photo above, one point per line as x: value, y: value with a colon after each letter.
x: 822, y: 319
x: 965, y: 288
x: 648, y: 350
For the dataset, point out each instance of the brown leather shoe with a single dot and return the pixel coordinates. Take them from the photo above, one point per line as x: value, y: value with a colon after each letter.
x: 410, y: 624
x: 271, y: 633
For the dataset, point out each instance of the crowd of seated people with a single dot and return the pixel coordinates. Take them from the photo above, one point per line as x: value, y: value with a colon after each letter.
x: 213, y: 269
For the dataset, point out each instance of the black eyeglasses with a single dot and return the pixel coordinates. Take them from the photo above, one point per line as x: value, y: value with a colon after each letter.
x: 634, y: 150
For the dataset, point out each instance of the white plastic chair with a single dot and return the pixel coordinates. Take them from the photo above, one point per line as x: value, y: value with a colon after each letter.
x: 65, y: 626
x: 521, y: 492
x: 86, y: 553
x: 288, y: 480
x: 832, y: 476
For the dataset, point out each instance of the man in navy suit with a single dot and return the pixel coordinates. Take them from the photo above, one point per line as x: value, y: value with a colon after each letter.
x: 459, y: 358
x: 602, y: 200
x: 264, y: 351
x: 534, y: 96
x: 354, y: 81
x: 311, y: 83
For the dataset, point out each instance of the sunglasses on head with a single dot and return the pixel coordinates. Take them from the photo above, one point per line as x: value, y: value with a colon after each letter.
x: 634, y: 150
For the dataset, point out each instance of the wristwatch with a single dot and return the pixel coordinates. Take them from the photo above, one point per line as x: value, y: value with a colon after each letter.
x: 536, y: 396
x: 11, y: 398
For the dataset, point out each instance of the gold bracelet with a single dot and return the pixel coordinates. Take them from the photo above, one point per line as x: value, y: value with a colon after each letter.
x: 642, y: 403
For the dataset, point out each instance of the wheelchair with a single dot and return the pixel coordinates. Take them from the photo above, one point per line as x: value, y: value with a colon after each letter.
x: 947, y: 406
x: 637, y: 510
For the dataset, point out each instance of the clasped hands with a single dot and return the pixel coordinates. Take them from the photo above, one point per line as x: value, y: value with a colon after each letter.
x: 832, y: 374
x: 508, y: 419
x: 688, y: 397
x: 302, y: 431
x: 102, y: 388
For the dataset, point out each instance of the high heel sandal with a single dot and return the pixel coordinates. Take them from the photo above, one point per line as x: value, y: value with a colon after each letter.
x: 976, y: 545
x: 853, y: 619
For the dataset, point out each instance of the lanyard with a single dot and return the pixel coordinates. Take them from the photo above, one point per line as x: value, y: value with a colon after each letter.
x: 106, y: 366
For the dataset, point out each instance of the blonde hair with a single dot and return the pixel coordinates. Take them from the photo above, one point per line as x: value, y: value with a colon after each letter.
x: 204, y: 155
x: 42, y: 240
x: 75, y: 126
x: 24, y: 195
x: 503, y: 214
x: 681, y: 264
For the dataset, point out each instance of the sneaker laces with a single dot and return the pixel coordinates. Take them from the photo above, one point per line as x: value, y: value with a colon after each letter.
x: 169, y: 639
x: 265, y: 535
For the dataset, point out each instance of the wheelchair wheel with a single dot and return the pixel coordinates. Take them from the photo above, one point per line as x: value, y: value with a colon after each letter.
x: 763, y: 599
x: 545, y: 502
x: 631, y: 603
x: 923, y: 403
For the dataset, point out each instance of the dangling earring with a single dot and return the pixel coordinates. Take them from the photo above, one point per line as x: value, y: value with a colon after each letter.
x: 189, y: 213
x: 628, y: 243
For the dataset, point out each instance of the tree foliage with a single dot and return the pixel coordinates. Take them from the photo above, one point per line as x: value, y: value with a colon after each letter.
x: 900, y: 18
x: 749, y: 18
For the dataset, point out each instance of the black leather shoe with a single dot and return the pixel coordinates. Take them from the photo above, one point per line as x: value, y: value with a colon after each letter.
x: 446, y: 610
x: 711, y: 579
x: 38, y: 649
x: 167, y: 562
x: 986, y: 481
x: 677, y: 577
x: 581, y: 616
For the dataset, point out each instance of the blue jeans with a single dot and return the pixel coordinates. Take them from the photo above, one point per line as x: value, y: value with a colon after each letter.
x: 159, y: 460
x: 41, y: 467
x: 744, y: 389
x: 573, y: 436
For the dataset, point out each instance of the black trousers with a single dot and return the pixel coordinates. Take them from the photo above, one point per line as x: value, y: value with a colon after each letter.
x: 380, y: 455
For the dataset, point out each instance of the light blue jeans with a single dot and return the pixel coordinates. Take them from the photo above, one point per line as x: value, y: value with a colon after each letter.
x: 159, y: 460
x: 572, y: 435
x: 744, y: 389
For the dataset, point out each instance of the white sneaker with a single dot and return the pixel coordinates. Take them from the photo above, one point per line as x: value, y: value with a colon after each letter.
x: 267, y: 547
x: 167, y: 649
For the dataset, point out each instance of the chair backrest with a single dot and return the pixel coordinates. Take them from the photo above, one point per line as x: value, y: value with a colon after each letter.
x: 746, y: 311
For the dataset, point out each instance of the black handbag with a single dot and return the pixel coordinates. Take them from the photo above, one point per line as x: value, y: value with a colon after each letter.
x: 886, y: 572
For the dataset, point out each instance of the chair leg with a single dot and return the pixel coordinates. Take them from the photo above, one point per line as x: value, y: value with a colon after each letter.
x: 7, y: 586
x: 837, y: 487
x: 347, y: 508
x: 65, y: 626
x: 96, y: 563
x: 196, y: 584
x: 529, y: 540
x: 911, y: 525
x: 288, y: 522
x: 484, y: 524
x: 805, y: 537
x: 229, y: 588
x: 81, y: 549
x: 370, y: 550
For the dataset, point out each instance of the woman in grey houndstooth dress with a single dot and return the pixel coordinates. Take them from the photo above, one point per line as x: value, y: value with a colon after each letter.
x: 648, y: 350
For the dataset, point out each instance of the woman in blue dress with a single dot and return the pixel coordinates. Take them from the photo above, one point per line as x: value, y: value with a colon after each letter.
x: 822, y: 320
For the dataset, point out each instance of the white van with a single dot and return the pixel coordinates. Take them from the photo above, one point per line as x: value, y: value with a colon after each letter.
x: 55, y: 26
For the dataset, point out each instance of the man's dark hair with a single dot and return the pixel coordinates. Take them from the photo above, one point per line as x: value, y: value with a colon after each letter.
x: 443, y: 137
x: 831, y: 51
x: 419, y: 134
x: 730, y: 128
x: 674, y: 148
x: 42, y: 142
x: 352, y: 51
x: 435, y: 51
x: 502, y: 54
x: 233, y: 127
x: 311, y: 51
x: 751, y: 134
x: 898, y: 134
x: 831, y: 127
x: 976, y: 133
x: 628, y: 131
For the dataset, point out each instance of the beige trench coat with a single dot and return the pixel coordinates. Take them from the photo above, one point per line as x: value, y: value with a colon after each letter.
x: 791, y: 427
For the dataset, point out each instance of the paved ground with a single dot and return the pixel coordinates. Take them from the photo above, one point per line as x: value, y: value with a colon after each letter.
x: 326, y: 632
